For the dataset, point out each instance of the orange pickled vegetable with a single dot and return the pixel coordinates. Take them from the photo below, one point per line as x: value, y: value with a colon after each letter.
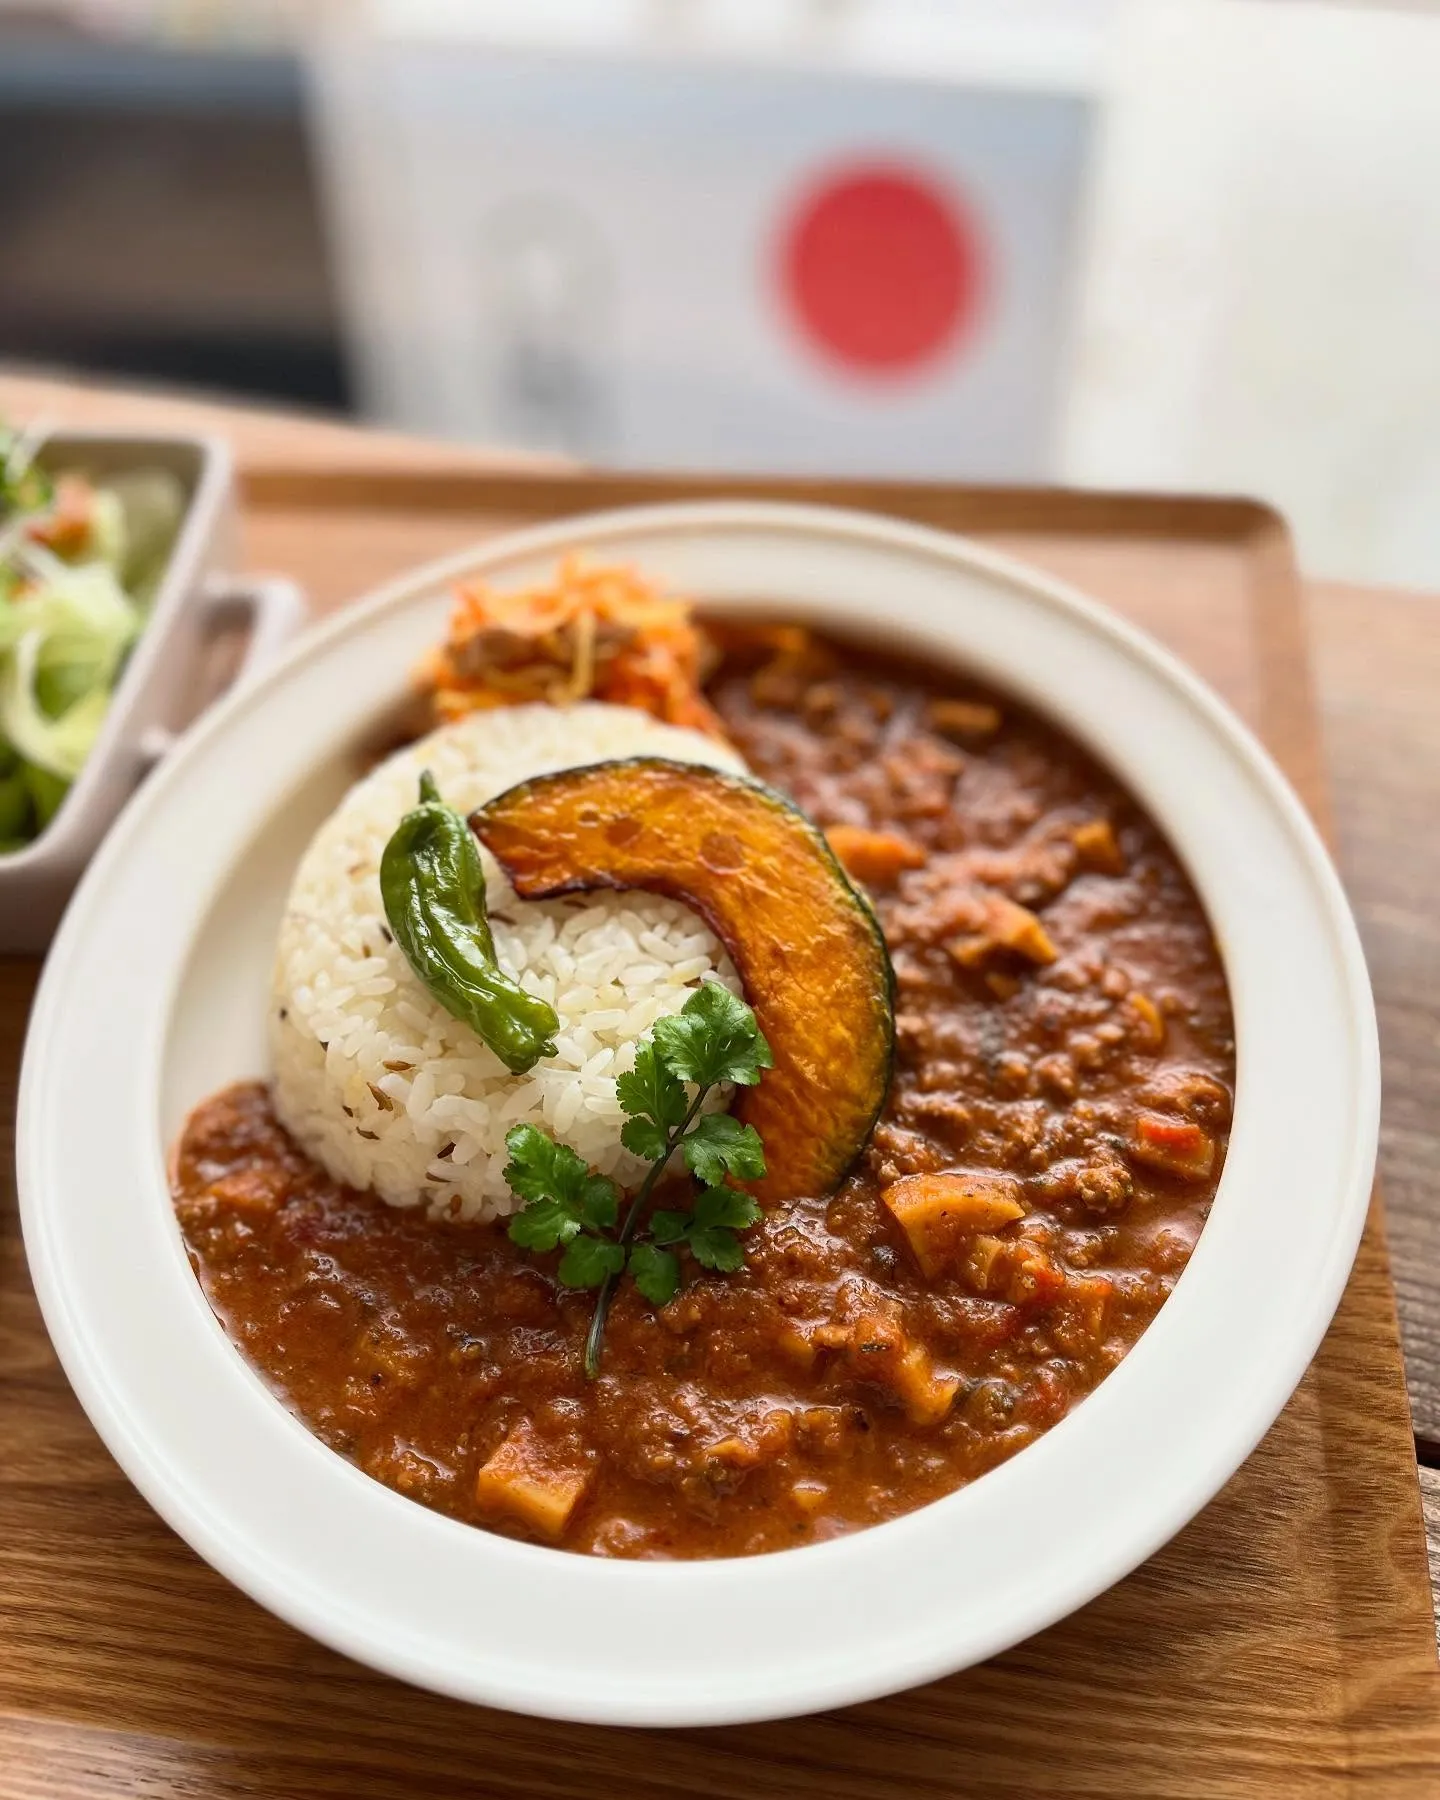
x: 602, y: 633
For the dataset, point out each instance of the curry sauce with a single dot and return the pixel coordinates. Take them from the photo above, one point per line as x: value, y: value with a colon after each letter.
x: 1064, y: 1065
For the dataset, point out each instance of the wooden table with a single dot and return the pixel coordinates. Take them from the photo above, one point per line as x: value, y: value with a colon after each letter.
x: 1377, y: 668
x: 1377, y: 662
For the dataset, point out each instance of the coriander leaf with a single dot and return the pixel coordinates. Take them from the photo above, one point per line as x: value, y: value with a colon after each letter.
x: 560, y: 1192
x: 543, y: 1225
x: 599, y: 1202
x: 656, y: 1273
x: 724, y: 1206
x: 539, y: 1168
x: 713, y: 1038
x: 643, y: 1137
x: 653, y: 1090
x: 588, y: 1260
x: 715, y: 1247
x: 669, y: 1227
x: 719, y: 1146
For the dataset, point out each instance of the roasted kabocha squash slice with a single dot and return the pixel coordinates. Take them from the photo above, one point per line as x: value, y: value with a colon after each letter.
x: 807, y: 946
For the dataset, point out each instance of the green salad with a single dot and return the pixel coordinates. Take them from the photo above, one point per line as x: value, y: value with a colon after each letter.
x: 79, y: 565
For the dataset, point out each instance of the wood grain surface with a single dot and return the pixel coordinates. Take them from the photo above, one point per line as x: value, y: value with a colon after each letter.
x: 1282, y: 1644
x: 1430, y: 1502
x: 1379, y: 667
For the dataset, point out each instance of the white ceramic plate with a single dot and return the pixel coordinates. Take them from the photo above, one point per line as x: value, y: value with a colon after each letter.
x: 155, y: 994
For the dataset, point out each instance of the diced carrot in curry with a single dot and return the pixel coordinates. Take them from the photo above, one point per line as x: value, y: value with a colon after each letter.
x: 1098, y: 846
x: 1008, y: 926
x: 970, y: 951
x: 968, y: 721
x: 875, y: 857
x: 1016, y: 928
x: 938, y: 1213
x: 1173, y: 1146
x: 527, y: 1482
x: 1032, y: 1276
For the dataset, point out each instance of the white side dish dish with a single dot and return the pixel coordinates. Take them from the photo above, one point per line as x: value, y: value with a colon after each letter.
x: 193, y: 600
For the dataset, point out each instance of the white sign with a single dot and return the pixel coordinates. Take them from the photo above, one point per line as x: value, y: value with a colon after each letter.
x: 677, y: 262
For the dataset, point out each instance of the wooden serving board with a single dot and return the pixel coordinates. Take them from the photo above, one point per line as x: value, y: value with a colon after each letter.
x: 1282, y: 1645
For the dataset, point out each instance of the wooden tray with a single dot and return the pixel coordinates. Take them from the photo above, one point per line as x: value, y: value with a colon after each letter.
x: 1283, y: 1644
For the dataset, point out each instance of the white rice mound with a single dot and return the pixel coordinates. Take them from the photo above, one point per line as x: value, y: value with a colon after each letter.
x: 374, y: 1078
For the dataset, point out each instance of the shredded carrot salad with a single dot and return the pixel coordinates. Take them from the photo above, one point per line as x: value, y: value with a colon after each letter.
x: 600, y: 633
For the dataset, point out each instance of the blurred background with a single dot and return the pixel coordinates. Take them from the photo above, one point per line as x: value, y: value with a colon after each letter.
x: 1167, y: 244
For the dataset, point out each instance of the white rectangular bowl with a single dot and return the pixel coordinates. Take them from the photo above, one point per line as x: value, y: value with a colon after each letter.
x: 156, y: 689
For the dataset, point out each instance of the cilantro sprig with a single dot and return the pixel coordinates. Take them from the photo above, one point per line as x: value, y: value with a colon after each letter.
x: 713, y: 1039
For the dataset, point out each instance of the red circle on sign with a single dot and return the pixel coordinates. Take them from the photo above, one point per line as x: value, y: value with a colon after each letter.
x: 882, y: 268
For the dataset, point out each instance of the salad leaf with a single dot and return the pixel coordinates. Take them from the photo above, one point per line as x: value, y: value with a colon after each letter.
x: 152, y: 506
x: 24, y: 486
x: 14, y: 805
x: 65, y: 644
x: 58, y: 745
x: 79, y: 564
x: 46, y: 792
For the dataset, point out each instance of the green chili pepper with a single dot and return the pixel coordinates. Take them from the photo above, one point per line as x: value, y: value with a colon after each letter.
x: 433, y: 888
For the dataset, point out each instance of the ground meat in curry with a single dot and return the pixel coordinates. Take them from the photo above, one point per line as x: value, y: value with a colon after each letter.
x: 1063, y: 1039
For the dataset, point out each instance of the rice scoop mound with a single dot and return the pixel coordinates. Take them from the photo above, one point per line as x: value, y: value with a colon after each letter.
x: 374, y: 1078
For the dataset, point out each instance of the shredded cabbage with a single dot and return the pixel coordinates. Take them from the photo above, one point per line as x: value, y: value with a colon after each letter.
x: 64, y: 647
x: 151, y: 505
x: 69, y: 613
x: 59, y: 745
